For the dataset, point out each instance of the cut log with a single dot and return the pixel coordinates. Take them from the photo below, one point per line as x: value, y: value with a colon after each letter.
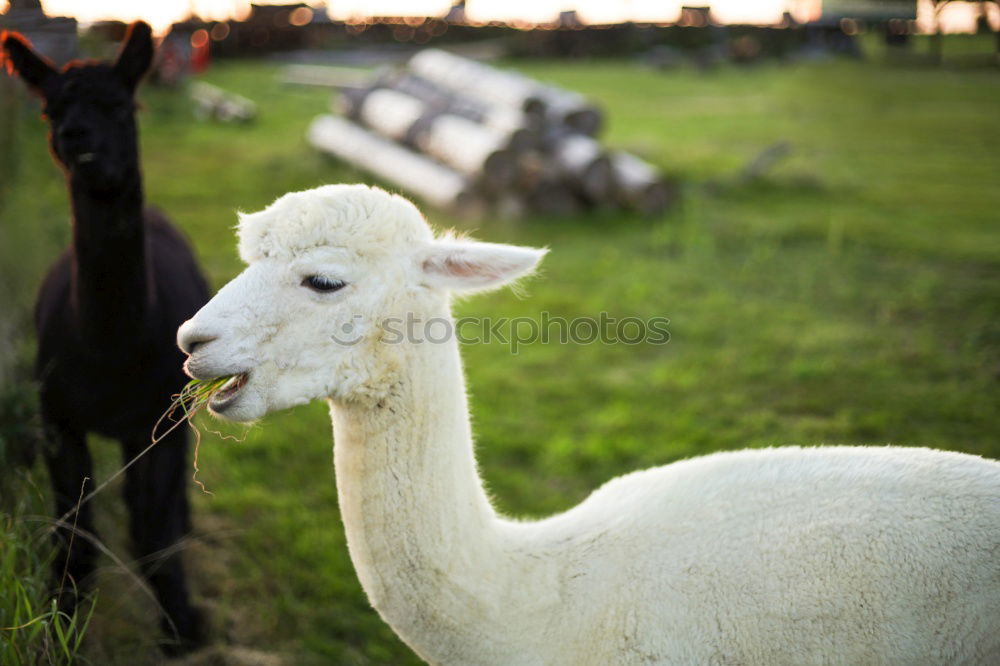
x: 554, y: 198
x: 639, y: 186
x: 535, y: 168
x: 219, y: 104
x: 571, y: 109
x: 481, y: 82
x: 391, y: 113
x: 521, y: 127
x: 383, y: 104
x: 349, y: 100
x: 583, y: 164
x: 431, y: 94
x: 473, y: 149
x: 507, y: 89
x: 325, y: 76
x: 432, y: 182
x: 470, y: 148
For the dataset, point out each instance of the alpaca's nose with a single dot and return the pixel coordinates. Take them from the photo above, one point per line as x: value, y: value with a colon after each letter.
x: 191, y: 336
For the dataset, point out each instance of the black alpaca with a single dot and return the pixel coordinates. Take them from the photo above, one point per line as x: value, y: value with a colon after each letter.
x: 106, y: 318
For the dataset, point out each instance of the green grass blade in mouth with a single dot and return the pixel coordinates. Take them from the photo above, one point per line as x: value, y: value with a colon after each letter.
x: 192, y: 399
x: 198, y: 392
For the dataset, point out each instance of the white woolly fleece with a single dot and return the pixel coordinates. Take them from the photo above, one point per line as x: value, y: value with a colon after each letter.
x: 831, y: 555
x: 367, y: 220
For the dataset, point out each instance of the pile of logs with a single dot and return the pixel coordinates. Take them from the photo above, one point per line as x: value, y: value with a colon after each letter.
x: 466, y: 136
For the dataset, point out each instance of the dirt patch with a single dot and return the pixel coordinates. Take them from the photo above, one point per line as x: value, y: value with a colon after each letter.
x: 231, y: 655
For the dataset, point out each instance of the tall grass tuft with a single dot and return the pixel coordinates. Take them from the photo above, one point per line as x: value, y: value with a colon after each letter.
x: 33, y: 631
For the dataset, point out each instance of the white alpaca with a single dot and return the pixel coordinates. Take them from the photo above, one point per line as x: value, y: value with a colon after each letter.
x: 778, y: 556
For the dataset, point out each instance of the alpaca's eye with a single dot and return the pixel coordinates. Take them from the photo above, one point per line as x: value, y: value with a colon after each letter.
x: 322, y: 284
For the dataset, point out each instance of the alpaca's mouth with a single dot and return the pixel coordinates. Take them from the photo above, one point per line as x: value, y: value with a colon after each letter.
x: 228, y: 392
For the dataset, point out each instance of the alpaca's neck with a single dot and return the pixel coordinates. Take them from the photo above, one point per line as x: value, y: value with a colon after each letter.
x: 112, y: 284
x: 423, y: 536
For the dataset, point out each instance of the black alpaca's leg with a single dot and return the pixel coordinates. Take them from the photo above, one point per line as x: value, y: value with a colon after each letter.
x: 69, y: 464
x: 156, y: 493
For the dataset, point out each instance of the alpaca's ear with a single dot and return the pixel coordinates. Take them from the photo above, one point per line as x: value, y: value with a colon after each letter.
x: 462, y: 265
x: 17, y: 54
x: 136, y: 54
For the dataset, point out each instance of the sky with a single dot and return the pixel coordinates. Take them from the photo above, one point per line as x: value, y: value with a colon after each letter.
x: 161, y: 13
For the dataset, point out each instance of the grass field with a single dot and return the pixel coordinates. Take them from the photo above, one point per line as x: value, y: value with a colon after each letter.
x: 851, y: 296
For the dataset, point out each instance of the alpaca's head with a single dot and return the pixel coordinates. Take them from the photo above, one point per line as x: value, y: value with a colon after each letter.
x: 90, y: 107
x: 329, y: 271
